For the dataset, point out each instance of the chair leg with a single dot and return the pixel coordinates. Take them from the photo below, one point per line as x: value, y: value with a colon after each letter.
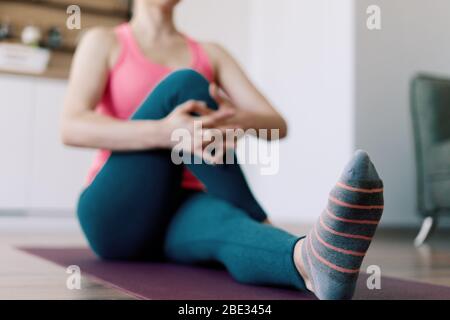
x: 428, y: 226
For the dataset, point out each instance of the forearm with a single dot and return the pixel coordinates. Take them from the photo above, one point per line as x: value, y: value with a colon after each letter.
x: 92, y: 130
x: 264, y: 122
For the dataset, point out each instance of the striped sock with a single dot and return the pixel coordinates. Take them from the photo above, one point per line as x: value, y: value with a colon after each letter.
x: 333, y: 251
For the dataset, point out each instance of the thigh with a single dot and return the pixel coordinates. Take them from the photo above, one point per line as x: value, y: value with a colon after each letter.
x: 125, y: 212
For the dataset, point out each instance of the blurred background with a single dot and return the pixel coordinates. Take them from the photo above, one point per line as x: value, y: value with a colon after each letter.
x: 340, y: 85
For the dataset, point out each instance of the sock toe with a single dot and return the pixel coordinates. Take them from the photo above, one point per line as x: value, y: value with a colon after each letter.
x: 360, y: 168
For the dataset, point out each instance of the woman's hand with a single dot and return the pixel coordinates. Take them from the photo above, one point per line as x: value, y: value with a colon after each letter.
x: 258, y: 123
x: 193, y: 121
x: 235, y: 122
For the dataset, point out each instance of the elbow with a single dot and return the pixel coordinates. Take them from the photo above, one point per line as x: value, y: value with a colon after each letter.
x: 66, y: 138
x: 284, y: 128
x: 66, y: 134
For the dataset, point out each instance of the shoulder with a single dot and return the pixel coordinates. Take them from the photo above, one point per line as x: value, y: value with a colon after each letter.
x: 219, y: 56
x: 99, y: 37
x: 215, y: 50
x: 99, y: 42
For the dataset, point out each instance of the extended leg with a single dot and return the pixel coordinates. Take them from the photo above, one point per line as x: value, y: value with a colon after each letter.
x: 206, y: 229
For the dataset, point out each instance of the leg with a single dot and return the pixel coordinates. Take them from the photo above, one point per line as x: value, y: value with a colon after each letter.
x: 428, y: 226
x: 135, y: 194
x: 207, y: 229
x: 329, y: 258
x: 125, y: 211
x: 226, y: 181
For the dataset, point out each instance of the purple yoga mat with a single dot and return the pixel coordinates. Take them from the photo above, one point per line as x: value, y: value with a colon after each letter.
x: 160, y: 281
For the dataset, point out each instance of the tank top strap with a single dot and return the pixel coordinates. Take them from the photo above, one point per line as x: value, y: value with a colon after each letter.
x: 124, y: 35
x: 200, y: 57
x: 194, y: 49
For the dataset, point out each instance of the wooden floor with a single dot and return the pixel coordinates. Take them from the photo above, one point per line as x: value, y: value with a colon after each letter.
x: 25, y: 277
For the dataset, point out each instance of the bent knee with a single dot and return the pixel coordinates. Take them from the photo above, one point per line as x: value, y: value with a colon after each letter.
x: 187, y: 77
x: 187, y: 84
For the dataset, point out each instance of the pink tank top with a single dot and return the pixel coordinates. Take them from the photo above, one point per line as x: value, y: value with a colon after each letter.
x: 122, y: 97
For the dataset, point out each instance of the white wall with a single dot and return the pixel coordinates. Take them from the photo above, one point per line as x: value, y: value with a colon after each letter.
x: 16, y: 110
x: 414, y: 37
x: 37, y: 173
x: 299, y: 52
x: 223, y: 21
x: 302, y: 58
x: 58, y: 172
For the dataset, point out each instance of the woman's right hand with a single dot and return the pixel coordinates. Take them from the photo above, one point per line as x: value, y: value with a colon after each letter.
x: 193, y: 118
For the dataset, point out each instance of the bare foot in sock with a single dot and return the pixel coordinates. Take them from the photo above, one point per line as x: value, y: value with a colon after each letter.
x: 330, y: 257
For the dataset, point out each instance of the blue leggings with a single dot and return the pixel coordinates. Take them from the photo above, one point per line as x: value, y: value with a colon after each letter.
x: 135, y: 208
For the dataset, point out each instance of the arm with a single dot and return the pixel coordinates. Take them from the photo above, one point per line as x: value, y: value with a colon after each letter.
x: 81, y: 126
x: 254, y: 110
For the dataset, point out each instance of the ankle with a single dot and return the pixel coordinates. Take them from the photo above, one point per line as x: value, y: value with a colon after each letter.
x: 300, y: 265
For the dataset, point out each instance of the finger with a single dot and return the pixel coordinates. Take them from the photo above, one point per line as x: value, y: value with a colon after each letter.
x: 231, y: 126
x: 193, y: 106
x: 185, y: 107
x: 215, y: 93
x: 201, y: 109
x: 217, y: 117
x: 210, y: 133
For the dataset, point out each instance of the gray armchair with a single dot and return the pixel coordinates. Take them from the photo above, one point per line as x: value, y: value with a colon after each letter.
x: 430, y: 109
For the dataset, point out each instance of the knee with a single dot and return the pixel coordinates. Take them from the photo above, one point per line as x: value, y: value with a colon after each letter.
x: 187, y: 84
x: 177, y: 88
x: 186, y: 78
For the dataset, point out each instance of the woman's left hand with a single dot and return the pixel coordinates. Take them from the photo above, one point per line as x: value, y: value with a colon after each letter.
x: 230, y: 130
x: 242, y: 121
x: 235, y: 122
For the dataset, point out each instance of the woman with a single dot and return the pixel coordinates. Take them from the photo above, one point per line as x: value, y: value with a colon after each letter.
x: 139, y: 205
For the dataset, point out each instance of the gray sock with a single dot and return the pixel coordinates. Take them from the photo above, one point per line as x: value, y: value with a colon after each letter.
x: 334, y: 250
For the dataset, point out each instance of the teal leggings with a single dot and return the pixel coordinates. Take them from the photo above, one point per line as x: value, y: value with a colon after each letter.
x: 135, y: 208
